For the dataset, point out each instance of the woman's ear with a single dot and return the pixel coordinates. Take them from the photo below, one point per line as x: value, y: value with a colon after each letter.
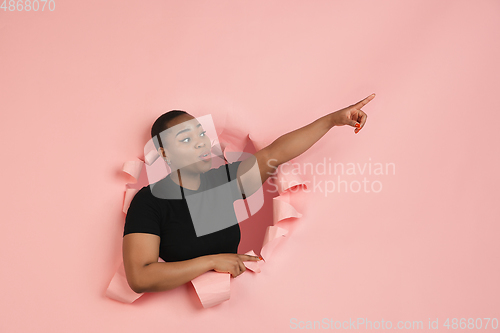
x: 161, y: 152
x: 164, y: 154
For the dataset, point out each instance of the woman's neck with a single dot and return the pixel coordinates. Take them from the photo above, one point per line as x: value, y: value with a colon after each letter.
x: 188, y: 180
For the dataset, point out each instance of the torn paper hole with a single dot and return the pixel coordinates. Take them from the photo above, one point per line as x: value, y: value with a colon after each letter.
x: 213, y: 287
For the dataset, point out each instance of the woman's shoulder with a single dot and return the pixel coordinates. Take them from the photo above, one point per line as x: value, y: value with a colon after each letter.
x: 144, y: 191
x: 222, y: 174
x: 144, y: 194
x: 164, y: 189
x: 222, y: 169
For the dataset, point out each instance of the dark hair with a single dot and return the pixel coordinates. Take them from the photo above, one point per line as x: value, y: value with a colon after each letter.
x: 161, y: 124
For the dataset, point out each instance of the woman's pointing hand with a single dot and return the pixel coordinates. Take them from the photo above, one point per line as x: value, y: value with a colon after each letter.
x: 352, y: 115
x: 231, y: 263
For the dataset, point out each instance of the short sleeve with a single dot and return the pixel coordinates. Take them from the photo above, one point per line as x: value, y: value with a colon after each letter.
x: 144, y: 214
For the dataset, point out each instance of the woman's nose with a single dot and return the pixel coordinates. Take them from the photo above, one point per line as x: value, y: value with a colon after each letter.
x: 200, y: 143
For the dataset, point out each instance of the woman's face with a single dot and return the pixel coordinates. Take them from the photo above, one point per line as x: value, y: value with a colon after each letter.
x: 185, y: 143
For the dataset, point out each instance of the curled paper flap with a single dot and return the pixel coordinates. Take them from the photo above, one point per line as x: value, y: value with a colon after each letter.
x: 253, y: 265
x: 119, y: 289
x: 213, y: 287
x: 133, y: 168
x: 235, y: 137
x: 283, y: 210
x: 286, y: 179
x: 151, y: 156
x: 271, y: 239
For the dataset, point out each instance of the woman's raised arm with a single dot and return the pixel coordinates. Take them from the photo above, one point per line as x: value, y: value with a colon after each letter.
x: 294, y: 143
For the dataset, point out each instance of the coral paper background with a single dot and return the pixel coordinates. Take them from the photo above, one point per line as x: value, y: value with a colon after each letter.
x: 80, y: 87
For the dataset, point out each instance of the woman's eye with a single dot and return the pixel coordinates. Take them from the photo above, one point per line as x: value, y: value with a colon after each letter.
x: 202, y: 134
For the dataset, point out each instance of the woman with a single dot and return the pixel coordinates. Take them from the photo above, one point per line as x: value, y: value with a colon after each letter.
x: 158, y: 226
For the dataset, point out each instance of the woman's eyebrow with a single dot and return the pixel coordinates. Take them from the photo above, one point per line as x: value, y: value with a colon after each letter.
x: 185, y: 130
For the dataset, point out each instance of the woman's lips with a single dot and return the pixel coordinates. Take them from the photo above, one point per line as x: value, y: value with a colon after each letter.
x: 206, y: 156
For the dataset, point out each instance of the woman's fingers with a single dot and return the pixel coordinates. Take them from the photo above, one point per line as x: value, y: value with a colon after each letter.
x: 232, y: 263
x: 242, y: 267
x: 362, y: 119
x: 246, y: 257
x: 239, y: 266
x: 363, y: 102
x: 361, y: 115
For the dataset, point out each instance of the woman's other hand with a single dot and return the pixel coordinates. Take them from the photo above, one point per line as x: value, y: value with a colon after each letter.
x: 352, y: 115
x: 231, y: 263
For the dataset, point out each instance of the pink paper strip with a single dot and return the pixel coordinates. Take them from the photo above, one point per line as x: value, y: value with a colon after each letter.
x: 119, y: 289
x: 283, y: 210
x: 133, y: 168
x: 285, y: 180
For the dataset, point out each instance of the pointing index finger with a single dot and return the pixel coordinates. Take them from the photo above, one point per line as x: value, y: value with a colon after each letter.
x: 365, y: 101
x: 248, y: 257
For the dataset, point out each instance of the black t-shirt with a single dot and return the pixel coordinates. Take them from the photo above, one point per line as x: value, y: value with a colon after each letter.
x: 166, y: 212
